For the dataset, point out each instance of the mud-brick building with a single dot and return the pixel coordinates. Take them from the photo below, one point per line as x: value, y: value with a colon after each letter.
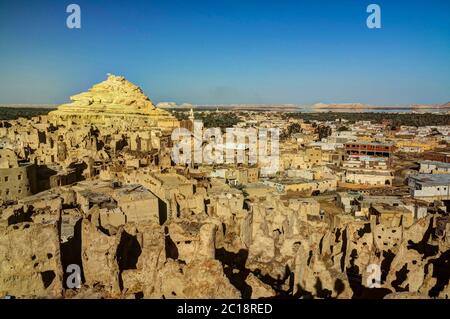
x: 17, y: 178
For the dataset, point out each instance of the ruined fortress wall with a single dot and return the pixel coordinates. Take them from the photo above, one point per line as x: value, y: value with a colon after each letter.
x: 18, y: 182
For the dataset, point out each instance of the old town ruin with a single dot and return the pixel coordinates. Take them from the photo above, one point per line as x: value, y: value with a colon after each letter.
x: 350, y: 213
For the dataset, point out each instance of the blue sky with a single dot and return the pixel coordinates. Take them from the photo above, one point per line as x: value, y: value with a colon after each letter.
x: 230, y: 51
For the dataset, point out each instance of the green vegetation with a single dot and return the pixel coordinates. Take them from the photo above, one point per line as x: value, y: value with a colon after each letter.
x: 323, y: 131
x: 228, y: 119
x: 13, y: 113
x: 221, y: 119
x: 294, y: 128
x: 211, y: 119
x: 181, y: 115
x: 397, y: 119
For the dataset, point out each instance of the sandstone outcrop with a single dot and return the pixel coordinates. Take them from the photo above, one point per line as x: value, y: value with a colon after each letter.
x: 114, y: 101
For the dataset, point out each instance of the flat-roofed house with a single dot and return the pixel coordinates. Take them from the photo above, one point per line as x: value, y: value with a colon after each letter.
x: 430, y: 186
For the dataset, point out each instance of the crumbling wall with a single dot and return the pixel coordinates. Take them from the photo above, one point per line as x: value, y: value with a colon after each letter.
x: 99, y: 257
x: 30, y: 263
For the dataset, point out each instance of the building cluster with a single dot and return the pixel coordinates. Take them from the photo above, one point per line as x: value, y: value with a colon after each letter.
x: 93, y: 184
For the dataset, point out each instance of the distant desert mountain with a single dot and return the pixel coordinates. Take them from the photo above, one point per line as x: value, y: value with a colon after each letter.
x: 341, y: 106
x: 174, y: 105
x: 361, y: 106
x: 164, y: 105
x: 431, y: 106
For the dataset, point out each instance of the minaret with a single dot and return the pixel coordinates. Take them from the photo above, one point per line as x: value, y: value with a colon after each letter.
x: 191, y: 116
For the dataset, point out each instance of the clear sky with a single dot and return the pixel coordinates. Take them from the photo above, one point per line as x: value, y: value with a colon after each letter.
x: 230, y: 51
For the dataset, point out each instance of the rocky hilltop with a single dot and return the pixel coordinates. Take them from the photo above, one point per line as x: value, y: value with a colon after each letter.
x: 113, y: 99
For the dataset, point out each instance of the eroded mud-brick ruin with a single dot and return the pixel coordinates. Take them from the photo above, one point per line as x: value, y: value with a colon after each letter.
x: 93, y: 185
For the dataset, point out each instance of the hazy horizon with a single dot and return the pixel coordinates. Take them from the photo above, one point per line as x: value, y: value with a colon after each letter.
x: 280, y: 105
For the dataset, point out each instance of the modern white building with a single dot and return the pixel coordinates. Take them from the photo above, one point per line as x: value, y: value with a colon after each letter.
x: 430, y: 186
